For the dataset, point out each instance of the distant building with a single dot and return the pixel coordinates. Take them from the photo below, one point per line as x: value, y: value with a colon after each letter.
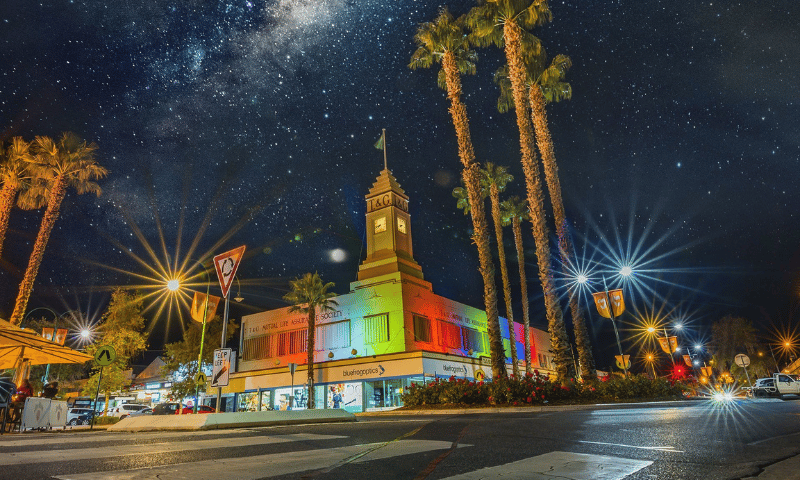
x: 389, y: 331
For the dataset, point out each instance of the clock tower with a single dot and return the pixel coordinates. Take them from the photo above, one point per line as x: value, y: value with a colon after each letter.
x: 389, y: 248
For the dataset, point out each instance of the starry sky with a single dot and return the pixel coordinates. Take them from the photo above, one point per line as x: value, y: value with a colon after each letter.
x: 253, y: 122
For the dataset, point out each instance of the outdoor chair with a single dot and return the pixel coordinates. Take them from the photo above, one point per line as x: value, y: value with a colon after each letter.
x: 7, y: 389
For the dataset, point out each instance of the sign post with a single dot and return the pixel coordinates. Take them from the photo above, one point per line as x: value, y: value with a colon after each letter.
x: 104, y: 356
x: 292, y: 368
x: 743, y: 361
x: 226, y: 264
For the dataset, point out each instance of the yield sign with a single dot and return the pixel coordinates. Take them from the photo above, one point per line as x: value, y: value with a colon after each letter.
x: 226, y: 264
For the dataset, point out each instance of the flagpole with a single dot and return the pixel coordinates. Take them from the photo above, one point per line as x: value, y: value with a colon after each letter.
x: 611, y: 312
x: 385, y: 167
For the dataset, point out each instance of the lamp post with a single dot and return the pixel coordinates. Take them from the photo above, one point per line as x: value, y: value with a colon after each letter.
x: 611, y: 316
x: 173, y: 286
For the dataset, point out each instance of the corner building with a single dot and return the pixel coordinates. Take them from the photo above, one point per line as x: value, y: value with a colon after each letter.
x: 389, y: 331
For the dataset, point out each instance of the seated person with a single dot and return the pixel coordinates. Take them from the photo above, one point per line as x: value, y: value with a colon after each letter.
x: 24, y: 390
x: 50, y: 390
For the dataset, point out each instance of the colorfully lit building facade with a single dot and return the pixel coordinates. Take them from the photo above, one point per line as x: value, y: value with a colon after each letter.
x: 390, y: 330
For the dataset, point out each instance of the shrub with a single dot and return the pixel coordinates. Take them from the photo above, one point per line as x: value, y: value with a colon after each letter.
x: 537, y: 389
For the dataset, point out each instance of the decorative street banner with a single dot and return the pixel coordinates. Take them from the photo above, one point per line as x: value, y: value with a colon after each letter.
x: 601, y: 301
x: 670, y: 347
x: 688, y: 360
x: 617, y: 302
x: 627, y: 361
x: 197, y: 306
x: 706, y: 371
x: 61, y: 335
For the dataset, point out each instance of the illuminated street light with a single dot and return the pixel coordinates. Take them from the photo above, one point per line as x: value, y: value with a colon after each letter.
x: 698, y: 347
x: 173, y: 285
x: 651, y: 329
x: 582, y: 279
x: 626, y: 271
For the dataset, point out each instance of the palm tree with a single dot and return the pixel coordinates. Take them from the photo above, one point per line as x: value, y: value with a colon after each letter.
x: 495, y: 178
x: 56, y: 166
x: 546, y: 85
x: 504, y: 23
x: 14, y: 177
x: 445, y: 41
x: 309, y: 293
x: 515, y: 211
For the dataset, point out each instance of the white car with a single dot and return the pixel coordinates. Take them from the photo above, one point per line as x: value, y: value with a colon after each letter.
x: 76, y: 416
x: 126, y: 409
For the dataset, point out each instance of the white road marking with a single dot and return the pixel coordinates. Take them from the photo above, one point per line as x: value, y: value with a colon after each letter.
x: 100, y: 436
x: 43, y: 456
x: 262, y: 466
x: 660, y: 449
x: 559, y: 465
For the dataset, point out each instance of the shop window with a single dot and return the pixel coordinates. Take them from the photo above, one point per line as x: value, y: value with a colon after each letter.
x: 332, y: 335
x: 248, y: 402
x: 376, y: 329
x: 256, y: 348
x: 266, y: 397
x: 451, y: 334
x: 472, y: 339
x: 422, y: 329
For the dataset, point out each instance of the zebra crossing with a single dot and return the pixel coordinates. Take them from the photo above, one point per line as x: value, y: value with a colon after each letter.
x: 319, y: 452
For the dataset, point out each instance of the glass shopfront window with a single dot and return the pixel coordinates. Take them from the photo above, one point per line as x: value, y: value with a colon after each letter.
x: 346, y: 396
x: 299, y: 398
x: 266, y: 400
x: 248, y: 402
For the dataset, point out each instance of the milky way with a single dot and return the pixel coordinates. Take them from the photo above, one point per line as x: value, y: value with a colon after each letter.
x: 682, y: 131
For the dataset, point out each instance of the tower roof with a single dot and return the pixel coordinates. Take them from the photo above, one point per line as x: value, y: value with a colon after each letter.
x: 385, y: 183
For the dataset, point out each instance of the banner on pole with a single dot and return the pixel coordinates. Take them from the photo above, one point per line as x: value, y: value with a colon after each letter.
x: 601, y: 300
x: 668, y: 344
x: 687, y: 359
x: 199, y: 301
x: 617, y: 302
x: 61, y: 335
x: 620, y: 359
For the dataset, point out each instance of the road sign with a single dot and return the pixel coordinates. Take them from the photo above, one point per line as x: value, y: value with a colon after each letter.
x: 742, y: 360
x: 200, y: 379
x: 226, y: 264
x: 222, y: 367
x: 105, y: 355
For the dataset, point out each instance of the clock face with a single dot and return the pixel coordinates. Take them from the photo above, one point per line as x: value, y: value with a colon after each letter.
x: 401, y: 225
x: 380, y: 225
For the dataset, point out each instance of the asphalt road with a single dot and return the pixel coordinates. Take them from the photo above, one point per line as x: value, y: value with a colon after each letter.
x: 690, y: 440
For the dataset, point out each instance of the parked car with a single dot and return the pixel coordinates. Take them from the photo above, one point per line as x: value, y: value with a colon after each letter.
x: 79, y: 416
x: 200, y: 409
x: 764, y: 387
x: 138, y: 413
x: 126, y: 409
x: 166, y: 408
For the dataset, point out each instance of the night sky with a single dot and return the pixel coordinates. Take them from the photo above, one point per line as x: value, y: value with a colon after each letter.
x: 253, y: 122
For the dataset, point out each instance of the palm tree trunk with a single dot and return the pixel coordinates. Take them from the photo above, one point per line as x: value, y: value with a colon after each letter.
x: 57, y: 194
x: 471, y: 176
x: 312, y: 327
x: 523, y: 285
x: 494, y: 194
x: 559, y: 341
x: 565, y: 247
x: 7, y: 196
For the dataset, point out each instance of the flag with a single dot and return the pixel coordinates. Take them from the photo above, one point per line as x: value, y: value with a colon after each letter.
x: 200, y: 300
x: 706, y: 371
x: 668, y: 344
x: 688, y: 360
x: 601, y: 301
x: 379, y: 143
x: 617, y: 302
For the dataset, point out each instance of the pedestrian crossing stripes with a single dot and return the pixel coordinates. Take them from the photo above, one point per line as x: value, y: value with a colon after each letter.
x: 52, y: 451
